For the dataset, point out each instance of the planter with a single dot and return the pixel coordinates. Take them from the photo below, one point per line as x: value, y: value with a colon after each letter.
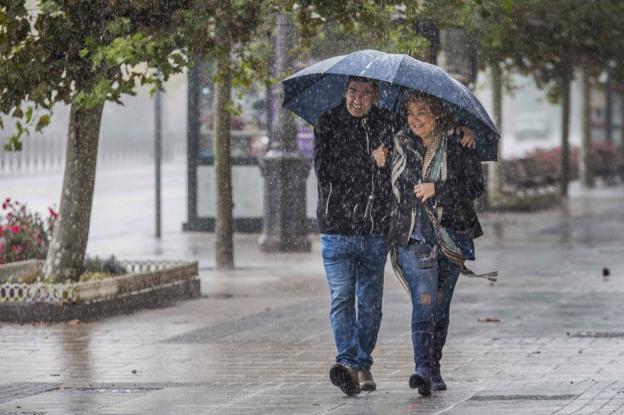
x: 526, y: 201
x: 147, y: 285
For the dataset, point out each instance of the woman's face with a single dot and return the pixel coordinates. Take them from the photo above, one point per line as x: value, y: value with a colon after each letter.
x: 420, y: 118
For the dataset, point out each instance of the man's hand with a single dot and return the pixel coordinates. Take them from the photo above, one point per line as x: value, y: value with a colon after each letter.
x: 424, y: 191
x: 468, y: 139
x: 380, y: 154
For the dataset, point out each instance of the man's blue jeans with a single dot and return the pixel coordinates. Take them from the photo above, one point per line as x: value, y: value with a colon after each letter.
x: 355, y: 271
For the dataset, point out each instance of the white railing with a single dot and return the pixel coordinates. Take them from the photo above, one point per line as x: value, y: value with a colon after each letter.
x: 46, y: 153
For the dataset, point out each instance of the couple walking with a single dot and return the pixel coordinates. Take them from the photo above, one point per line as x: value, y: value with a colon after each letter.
x: 386, y: 185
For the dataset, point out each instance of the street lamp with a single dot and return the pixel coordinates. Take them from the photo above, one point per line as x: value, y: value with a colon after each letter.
x: 284, y: 169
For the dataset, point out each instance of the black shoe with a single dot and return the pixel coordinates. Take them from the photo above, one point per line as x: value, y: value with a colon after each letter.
x: 422, y: 383
x: 346, y: 378
x: 367, y: 383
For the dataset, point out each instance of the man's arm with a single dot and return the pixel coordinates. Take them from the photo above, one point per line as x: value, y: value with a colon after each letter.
x: 323, y: 165
x: 467, y: 137
x: 392, y: 125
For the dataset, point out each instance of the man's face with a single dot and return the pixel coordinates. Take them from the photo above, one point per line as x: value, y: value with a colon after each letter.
x: 360, y: 96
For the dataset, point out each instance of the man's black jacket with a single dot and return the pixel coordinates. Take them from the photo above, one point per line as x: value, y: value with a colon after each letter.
x: 347, y: 173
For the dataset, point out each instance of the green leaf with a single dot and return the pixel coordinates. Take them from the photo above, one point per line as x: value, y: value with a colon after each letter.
x: 29, y: 114
x: 49, y: 6
x: 14, y: 143
x: 43, y: 122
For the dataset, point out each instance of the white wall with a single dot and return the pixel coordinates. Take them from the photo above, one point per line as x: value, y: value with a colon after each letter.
x: 529, y: 120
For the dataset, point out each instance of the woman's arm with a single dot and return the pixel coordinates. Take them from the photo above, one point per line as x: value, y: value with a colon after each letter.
x: 468, y: 182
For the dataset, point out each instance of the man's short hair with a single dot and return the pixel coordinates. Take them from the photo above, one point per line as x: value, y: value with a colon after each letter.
x: 352, y: 78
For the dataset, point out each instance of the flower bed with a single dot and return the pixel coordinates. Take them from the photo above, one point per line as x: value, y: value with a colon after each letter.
x: 147, y: 284
x: 541, y: 168
x: 23, y: 234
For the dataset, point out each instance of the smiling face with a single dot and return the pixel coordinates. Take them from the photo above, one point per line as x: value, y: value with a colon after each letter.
x: 420, y: 119
x: 360, y: 97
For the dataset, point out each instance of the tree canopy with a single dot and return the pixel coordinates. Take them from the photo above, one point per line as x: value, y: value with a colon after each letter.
x: 91, y: 51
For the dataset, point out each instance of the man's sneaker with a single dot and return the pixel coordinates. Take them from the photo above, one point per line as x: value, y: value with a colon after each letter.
x: 366, y: 380
x: 346, y: 378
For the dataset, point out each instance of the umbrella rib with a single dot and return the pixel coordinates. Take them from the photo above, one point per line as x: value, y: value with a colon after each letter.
x: 398, y: 67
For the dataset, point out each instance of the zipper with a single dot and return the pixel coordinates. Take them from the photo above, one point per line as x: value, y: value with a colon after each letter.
x: 328, y: 197
x: 412, y: 223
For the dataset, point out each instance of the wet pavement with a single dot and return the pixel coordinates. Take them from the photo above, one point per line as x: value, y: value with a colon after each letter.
x: 548, y: 338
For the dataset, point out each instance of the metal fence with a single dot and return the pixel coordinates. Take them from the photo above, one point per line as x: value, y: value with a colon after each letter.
x: 46, y: 153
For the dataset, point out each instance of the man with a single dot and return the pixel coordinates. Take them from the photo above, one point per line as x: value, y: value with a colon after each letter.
x: 351, y: 142
x: 350, y: 147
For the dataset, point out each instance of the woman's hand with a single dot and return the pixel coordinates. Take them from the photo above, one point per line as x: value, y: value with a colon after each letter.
x: 424, y: 191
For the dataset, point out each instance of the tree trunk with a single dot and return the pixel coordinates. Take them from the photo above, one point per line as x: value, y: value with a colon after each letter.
x: 622, y: 121
x: 585, y: 171
x: 495, y: 169
x: 66, y: 253
x: 609, y: 109
x: 565, y: 133
x: 224, y: 229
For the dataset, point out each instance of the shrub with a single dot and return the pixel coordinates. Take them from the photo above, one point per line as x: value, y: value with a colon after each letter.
x: 108, y: 266
x: 542, y: 167
x: 24, y: 234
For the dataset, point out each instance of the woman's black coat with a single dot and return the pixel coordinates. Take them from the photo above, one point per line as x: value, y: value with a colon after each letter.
x: 456, y: 194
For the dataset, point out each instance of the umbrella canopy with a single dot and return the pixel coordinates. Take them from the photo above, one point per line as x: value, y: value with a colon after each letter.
x: 321, y: 86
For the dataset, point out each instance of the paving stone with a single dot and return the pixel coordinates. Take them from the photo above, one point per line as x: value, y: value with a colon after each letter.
x: 259, y: 340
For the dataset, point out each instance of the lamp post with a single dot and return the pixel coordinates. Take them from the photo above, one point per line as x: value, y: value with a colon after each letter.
x: 158, y: 159
x: 284, y: 169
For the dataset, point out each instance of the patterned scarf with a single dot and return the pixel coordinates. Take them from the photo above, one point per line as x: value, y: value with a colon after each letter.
x: 432, y: 171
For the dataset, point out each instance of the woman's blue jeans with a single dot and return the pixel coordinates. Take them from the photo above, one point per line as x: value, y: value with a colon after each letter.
x: 355, y: 273
x: 432, y: 279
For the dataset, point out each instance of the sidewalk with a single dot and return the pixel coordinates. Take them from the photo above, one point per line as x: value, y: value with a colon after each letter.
x: 259, y: 341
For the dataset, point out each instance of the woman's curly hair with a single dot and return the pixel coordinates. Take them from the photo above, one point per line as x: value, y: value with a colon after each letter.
x: 439, y: 110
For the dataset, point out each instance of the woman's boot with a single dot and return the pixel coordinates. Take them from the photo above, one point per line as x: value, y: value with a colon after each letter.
x: 439, y: 339
x: 422, y: 339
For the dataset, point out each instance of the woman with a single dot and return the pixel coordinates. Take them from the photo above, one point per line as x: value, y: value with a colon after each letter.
x: 433, y: 222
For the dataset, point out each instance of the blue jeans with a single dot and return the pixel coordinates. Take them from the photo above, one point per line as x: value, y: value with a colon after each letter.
x: 432, y: 279
x: 447, y: 279
x: 355, y: 270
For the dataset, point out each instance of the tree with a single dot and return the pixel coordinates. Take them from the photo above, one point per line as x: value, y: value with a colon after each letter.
x: 548, y: 41
x: 328, y: 28
x: 85, y: 53
x: 236, y: 25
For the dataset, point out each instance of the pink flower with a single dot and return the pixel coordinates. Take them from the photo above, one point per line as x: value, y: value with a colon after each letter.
x: 6, y: 203
x: 15, y: 229
x: 53, y: 213
x: 17, y: 249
